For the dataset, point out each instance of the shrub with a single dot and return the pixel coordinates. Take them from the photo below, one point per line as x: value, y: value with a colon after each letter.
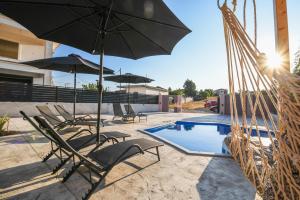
x: 3, y: 120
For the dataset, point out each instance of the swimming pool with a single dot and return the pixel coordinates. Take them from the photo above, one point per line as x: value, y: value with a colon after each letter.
x: 195, y: 138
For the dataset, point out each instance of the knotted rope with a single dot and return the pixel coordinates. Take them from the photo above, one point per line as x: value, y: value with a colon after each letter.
x: 270, y: 155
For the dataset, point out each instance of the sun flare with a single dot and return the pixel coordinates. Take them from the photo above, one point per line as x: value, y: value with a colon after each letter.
x: 274, y: 61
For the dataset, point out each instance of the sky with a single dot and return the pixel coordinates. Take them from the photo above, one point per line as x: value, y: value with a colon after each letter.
x: 201, y: 55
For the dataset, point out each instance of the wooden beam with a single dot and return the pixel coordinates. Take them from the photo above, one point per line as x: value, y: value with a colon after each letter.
x: 282, y: 32
x: 19, y: 35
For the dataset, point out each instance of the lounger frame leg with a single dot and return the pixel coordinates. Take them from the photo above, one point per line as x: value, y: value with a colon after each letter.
x: 88, y: 194
x: 157, y: 152
x: 62, y: 163
x: 70, y: 172
x: 51, y: 153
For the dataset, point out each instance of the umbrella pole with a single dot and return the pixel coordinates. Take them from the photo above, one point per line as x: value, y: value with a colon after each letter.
x: 128, y: 98
x: 75, y: 93
x: 100, y: 87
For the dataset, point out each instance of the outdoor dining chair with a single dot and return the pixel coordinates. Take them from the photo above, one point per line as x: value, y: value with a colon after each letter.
x: 130, y: 111
x: 101, y: 161
x: 118, y: 112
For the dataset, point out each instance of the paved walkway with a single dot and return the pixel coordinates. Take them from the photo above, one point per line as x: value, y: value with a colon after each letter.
x: 176, y: 176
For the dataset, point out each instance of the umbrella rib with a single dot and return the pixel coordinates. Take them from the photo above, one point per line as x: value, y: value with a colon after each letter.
x: 84, y: 21
x: 126, y: 42
x: 93, y: 7
x: 46, y: 3
x: 117, y: 26
x: 66, y: 24
x: 151, y: 20
x: 143, y: 35
x: 141, y: 18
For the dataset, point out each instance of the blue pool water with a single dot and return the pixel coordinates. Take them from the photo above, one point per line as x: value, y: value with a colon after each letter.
x: 196, y: 137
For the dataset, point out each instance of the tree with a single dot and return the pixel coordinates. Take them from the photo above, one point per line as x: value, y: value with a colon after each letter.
x: 176, y: 92
x: 189, y: 88
x: 170, y: 90
x: 297, y: 63
x: 202, y: 95
x: 94, y: 87
x: 90, y: 86
x: 209, y: 92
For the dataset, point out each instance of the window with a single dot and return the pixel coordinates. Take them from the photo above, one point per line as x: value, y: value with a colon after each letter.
x: 9, y: 49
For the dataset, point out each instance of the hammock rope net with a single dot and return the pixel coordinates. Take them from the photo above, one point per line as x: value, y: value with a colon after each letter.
x: 265, y: 115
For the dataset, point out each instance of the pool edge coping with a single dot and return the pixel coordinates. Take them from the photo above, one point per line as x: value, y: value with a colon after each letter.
x: 182, y: 149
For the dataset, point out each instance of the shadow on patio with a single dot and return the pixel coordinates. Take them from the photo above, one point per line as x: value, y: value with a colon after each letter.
x: 35, y: 181
x: 31, y: 181
x: 223, y: 180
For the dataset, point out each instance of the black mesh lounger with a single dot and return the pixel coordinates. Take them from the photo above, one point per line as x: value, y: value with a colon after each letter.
x: 67, y: 116
x: 119, y: 113
x: 58, y: 123
x: 75, y: 141
x: 101, y: 162
x: 130, y: 111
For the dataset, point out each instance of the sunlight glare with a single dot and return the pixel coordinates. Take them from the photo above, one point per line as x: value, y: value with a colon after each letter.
x: 274, y: 61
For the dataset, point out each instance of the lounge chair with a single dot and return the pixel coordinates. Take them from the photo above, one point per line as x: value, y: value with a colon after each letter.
x: 119, y: 113
x: 58, y: 123
x: 101, y: 162
x: 67, y: 116
x: 130, y: 111
x: 76, y: 141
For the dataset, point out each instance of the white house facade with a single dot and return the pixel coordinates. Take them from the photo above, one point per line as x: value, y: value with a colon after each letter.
x: 146, y: 89
x: 17, y: 44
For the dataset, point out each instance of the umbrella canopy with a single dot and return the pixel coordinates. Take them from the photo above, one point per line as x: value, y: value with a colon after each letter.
x: 125, y: 28
x: 128, y: 78
x: 72, y: 64
x: 133, y: 28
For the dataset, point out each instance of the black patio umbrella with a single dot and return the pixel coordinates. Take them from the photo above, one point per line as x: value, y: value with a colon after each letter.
x: 129, y: 79
x: 72, y: 64
x: 125, y: 28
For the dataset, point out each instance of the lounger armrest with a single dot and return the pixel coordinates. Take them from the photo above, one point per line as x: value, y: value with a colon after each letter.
x: 63, y: 124
x: 127, y: 150
x: 106, y: 139
x: 130, y: 115
x: 79, y: 132
x: 87, y: 116
x: 83, y: 117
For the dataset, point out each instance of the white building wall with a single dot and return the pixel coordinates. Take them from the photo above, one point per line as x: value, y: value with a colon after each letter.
x: 30, y: 52
x: 12, y: 109
x: 144, y: 90
x: 136, y: 89
x: 27, y: 52
x: 39, y: 76
x: 155, y: 92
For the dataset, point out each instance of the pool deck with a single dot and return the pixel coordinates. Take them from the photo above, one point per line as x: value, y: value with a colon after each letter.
x: 176, y: 176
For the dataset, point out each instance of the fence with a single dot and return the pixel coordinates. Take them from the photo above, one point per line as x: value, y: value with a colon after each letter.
x: 20, y: 92
x: 268, y: 102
